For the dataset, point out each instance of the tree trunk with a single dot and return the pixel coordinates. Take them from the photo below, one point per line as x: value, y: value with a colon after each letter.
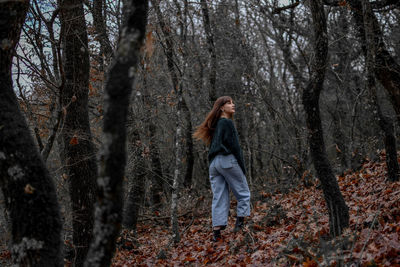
x: 387, y: 128
x: 101, y: 31
x: 212, y: 93
x: 157, y: 179
x: 136, y: 179
x: 108, y: 211
x: 385, y: 67
x: 384, y: 122
x: 169, y: 52
x: 27, y: 186
x: 187, y: 181
x: 337, y: 208
x: 79, y: 153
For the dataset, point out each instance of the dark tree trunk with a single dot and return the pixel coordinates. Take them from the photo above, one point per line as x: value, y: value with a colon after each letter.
x: 387, y: 128
x: 187, y: 182
x: 79, y: 153
x: 108, y: 212
x: 384, y: 122
x: 27, y: 186
x: 340, y: 141
x: 101, y: 31
x: 212, y: 93
x: 137, y: 179
x: 156, y: 167
x: 157, y: 179
x: 337, y: 208
x: 385, y: 67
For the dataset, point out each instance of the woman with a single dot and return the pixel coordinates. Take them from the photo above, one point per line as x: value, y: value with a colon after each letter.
x: 227, y: 168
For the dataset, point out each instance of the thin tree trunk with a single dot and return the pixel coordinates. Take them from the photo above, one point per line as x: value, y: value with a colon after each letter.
x: 157, y: 178
x: 177, y: 172
x: 136, y: 179
x: 79, y: 153
x: 28, y: 189
x: 212, y: 93
x: 108, y: 211
x: 337, y: 208
x: 101, y: 31
x: 157, y: 175
x: 169, y: 52
x: 189, y: 146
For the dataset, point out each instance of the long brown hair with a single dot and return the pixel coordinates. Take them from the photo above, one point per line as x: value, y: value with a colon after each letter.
x: 205, y: 130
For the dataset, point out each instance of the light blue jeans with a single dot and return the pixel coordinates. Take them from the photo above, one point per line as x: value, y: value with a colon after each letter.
x: 226, y: 173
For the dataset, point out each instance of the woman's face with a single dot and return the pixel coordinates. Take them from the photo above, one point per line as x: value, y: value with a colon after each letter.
x: 228, y: 109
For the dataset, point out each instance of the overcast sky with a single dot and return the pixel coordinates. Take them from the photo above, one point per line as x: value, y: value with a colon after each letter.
x: 284, y: 2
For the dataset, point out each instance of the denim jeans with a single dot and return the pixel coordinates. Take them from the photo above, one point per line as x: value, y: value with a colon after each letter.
x: 226, y: 173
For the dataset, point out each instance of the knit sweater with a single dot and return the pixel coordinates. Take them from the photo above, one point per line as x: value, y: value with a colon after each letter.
x: 225, y: 141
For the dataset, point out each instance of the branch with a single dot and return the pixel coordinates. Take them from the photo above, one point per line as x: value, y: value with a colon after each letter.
x: 280, y: 9
x: 376, y: 5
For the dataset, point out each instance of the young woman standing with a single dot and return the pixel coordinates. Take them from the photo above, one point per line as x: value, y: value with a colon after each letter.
x: 227, y: 169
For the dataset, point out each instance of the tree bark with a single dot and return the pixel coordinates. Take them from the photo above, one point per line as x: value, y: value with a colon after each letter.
x: 337, y: 208
x: 108, y: 211
x: 79, y: 153
x: 26, y: 183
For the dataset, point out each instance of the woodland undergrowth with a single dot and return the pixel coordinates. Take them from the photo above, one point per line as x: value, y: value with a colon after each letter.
x: 284, y: 230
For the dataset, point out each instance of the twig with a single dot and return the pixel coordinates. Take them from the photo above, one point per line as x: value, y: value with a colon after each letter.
x: 162, y: 252
x: 369, y: 235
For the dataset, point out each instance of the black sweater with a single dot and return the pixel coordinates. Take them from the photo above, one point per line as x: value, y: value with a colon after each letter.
x: 225, y: 141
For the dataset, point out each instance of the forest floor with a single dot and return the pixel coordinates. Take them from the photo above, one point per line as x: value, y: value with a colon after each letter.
x: 284, y: 230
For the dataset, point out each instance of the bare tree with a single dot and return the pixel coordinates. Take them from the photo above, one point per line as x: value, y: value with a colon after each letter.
x: 78, y: 150
x: 211, y: 48
x: 385, y: 67
x: 384, y: 121
x: 99, y: 22
x: 108, y: 211
x: 337, y: 208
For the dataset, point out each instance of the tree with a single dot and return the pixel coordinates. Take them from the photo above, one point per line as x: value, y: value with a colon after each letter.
x: 78, y: 151
x: 337, y: 208
x: 108, y: 211
x: 211, y: 48
x: 385, y: 67
x: 101, y: 30
x: 384, y: 121
x: 26, y: 183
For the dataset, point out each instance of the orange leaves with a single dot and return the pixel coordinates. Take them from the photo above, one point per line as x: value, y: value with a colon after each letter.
x: 190, y: 259
x: 257, y: 227
x: 149, y: 44
x: 286, y: 230
x: 310, y: 263
x: 74, y: 140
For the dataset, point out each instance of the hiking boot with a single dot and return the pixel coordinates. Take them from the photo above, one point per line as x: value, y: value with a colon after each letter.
x: 239, y: 224
x: 216, y: 235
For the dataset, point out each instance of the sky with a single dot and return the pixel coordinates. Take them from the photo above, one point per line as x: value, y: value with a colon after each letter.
x: 284, y: 2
